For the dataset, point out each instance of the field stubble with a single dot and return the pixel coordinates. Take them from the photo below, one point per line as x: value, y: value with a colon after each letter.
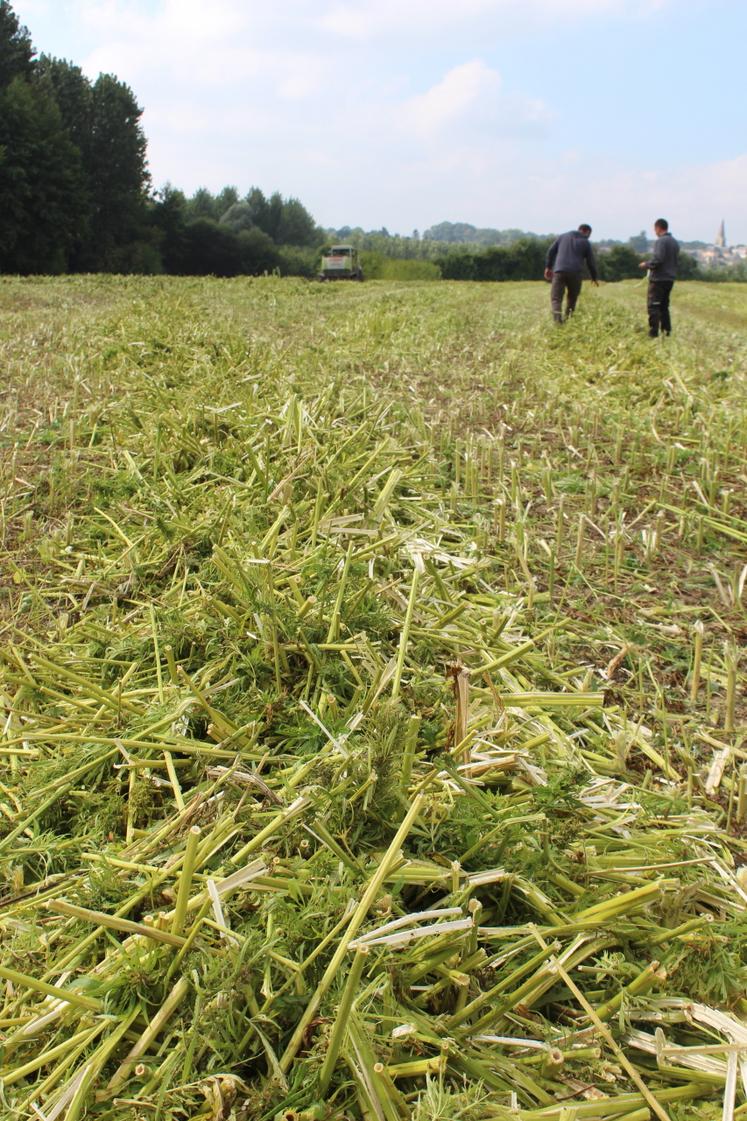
x: 372, y: 733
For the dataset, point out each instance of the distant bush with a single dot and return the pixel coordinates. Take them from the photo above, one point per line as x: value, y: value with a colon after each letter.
x: 619, y: 263
x: 378, y: 267
x: 297, y: 260
x: 524, y: 260
x: 735, y: 273
x: 139, y: 258
x: 459, y: 266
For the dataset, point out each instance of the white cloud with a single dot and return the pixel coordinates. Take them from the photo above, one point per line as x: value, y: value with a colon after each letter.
x: 180, y: 39
x: 176, y: 21
x: 459, y: 92
x: 470, y: 101
x: 369, y: 19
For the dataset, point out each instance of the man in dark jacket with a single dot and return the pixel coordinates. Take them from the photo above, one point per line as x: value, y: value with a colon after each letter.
x: 564, y: 267
x: 662, y: 268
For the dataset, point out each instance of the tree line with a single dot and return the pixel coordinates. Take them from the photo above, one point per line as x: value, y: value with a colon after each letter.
x: 514, y: 254
x: 230, y: 235
x: 525, y: 259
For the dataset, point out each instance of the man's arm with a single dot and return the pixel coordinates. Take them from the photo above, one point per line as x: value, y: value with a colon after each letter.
x: 591, y: 263
x: 656, y: 257
x: 552, y: 253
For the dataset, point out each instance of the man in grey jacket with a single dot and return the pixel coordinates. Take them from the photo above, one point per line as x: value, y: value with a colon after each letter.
x: 662, y: 268
x: 564, y: 267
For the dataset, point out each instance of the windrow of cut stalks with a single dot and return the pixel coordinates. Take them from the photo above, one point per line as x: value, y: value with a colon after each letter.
x: 369, y: 730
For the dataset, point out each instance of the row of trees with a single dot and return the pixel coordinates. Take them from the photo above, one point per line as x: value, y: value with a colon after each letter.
x: 514, y: 254
x: 524, y: 260
x: 463, y: 233
x: 227, y: 235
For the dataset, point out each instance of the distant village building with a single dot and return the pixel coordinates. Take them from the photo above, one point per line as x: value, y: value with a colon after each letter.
x: 719, y: 255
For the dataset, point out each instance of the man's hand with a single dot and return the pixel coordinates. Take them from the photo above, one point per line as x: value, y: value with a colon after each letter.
x: 548, y: 274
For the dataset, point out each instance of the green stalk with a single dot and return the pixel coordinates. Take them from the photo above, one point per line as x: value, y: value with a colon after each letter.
x: 731, y: 661
x: 408, y: 754
x: 645, y: 980
x: 93, y: 1062
x: 405, y: 632
x: 618, y: 1107
x: 742, y: 795
x: 320, y: 831
x: 675, y: 932
x: 82, y: 1037
x: 157, y: 653
x: 622, y: 1058
x: 619, y: 905
x: 505, y: 983
x: 153, y: 1030
x: 185, y: 880
x: 580, y: 541
x: 359, y: 914
x: 288, y: 813
x: 341, y: 1020
x: 72, y: 996
x: 513, y: 655
x: 168, y: 652
x: 334, y: 623
x: 580, y: 699
x: 99, y: 918
x: 698, y: 633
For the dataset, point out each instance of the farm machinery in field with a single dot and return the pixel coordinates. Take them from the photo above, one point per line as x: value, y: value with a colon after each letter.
x: 341, y: 262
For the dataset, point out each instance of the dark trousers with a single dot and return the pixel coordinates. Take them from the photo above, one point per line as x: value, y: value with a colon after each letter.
x: 657, y: 304
x: 568, y: 283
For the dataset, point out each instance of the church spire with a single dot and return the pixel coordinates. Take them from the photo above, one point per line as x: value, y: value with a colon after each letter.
x: 721, y: 236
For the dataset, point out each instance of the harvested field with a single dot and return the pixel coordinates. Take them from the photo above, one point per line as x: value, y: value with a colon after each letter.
x: 372, y: 709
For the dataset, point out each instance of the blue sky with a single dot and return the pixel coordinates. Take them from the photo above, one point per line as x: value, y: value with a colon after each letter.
x: 535, y: 114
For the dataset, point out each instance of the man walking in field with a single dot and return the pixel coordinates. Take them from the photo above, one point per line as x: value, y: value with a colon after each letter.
x: 662, y: 274
x: 564, y: 266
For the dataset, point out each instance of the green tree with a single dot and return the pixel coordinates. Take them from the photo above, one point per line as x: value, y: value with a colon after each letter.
x: 458, y: 266
x: 16, y: 51
x: 73, y: 93
x: 687, y: 268
x: 117, y: 168
x: 274, y: 216
x: 42, y: 207
x: 521, y: 260
x: 210, y: 249
x: 259, y: 208
x: 621, y: 262
x: 258, y: 252
x: 296, y: 226
x: 168, y: 218
x: 238, y: 217
x: 226, y: 199
x: 202, y: 205
x: 294, y: 260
